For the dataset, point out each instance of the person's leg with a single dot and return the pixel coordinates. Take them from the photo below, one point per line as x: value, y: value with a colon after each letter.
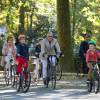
x: 44, y: 70
x: 7, y: 66
x: 19, y: 67
x: 36, y: 71
x: 53, y: 60
x: 90, y: 71
x: 25, y: 64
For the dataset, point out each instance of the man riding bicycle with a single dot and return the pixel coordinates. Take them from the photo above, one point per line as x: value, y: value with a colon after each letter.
x: 49, y: 46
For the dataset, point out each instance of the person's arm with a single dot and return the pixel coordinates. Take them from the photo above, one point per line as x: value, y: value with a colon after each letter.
x: 57, y: 47
x: 98, y: 54
x: 28, y: 51
x: 87, y: 56
x: 18, y: 50
x: 81, y: 51
x: 43, y: 47
x: 14, y: 53
x: 4, y: 51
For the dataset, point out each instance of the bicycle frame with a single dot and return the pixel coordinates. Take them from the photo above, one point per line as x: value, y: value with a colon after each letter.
x: 95, y: 70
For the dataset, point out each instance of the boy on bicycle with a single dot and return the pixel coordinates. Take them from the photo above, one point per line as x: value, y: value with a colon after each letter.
x: 92, y: 55
x: 22, y: 54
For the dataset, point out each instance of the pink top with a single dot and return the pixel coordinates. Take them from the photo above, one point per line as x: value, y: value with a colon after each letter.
x: 6, y: 49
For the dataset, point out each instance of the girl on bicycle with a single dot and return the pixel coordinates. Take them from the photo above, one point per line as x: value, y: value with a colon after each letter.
x: 92, y: 55
x: 22, y: 54
x: 9, y: 51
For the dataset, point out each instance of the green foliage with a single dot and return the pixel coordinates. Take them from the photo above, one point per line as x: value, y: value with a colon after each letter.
x: 37, y: 19
x: 85, y: 14
x: 40, y: 16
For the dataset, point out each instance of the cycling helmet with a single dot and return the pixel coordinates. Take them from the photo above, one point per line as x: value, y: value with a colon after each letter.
x: 92, y: 42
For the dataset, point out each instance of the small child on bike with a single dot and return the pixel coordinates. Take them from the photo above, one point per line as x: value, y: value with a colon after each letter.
x: 9, y: 51
x: 92, y: 55
x: 22, y: 54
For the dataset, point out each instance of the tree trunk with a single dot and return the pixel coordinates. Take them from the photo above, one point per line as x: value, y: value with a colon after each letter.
x: 21, y: 19
x: 64, y: 34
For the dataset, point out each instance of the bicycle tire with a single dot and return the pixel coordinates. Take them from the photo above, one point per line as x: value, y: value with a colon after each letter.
x: 5, y: 76
x: 18, y: 83
x: 96, y: 84
x: 89, y: 86
x: 26, y: 84
x: 53, y: 77
x: 13, y: 73
x: 58, y: 72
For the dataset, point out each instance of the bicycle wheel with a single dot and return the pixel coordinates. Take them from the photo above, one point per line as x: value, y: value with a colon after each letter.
x: 53, y: 76
x: 58, y: 72
x: 13, y: 73
x: 96, y: 84
x: 6, y: 76
x: 26, y: 81
x: 89, y: 86
x: 18, y: 80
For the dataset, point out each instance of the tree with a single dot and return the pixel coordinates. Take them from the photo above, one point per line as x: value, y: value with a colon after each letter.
x: 64, y: 33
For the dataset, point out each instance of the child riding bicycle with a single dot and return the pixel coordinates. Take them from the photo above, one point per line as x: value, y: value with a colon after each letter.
x: 92, y: 55
x: 22, y: 54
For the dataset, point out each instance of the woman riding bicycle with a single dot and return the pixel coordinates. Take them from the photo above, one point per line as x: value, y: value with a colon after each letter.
x: 9, y: 51
x: 92, y: 55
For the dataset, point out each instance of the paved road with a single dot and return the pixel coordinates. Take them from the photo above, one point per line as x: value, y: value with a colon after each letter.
x: 66, y: 90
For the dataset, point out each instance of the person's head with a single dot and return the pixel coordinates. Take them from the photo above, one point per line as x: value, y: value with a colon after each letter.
x: 92, y: 45
x: 87, y: 37
x: 21, y: 38
x: 50, y: 36
x: 10, y: 40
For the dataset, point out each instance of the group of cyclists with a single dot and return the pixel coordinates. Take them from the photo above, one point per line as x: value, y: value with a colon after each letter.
x: 48, y: 46
x: 20, y: 53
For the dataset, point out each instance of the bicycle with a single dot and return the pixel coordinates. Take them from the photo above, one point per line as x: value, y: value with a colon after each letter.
x: 51, y: 71
x: 9, y: 73
x: 59, y: 69
x: 23, y: 81
x: 94, y: 84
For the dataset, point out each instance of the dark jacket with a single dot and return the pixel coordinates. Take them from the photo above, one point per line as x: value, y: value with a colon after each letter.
x: 84, y: 46
x: 22, y: 50
x: 37, y: 50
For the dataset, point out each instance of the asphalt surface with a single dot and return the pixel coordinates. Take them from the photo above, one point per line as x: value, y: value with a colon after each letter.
x: 67, y: 89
